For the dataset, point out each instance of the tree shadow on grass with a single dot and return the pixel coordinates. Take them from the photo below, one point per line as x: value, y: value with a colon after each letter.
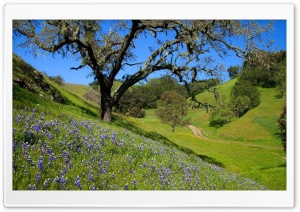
x: 120, y: 122
x: 283, y: 165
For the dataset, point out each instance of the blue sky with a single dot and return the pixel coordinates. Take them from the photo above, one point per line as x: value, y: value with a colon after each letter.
x: 61, y: 66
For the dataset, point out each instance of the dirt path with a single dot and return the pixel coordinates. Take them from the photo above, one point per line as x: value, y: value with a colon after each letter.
x: 197, y: 132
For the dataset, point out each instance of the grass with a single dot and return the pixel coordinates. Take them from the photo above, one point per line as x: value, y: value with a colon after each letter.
x: 248, y: 146
x: 55, y: 147
x: 247, y: 159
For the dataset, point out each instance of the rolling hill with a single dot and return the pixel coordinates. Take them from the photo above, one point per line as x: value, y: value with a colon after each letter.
x: 247, y: 147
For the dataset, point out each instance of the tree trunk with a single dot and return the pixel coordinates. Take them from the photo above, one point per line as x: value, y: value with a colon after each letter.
x: 173, y: 128
x: 106, y: 106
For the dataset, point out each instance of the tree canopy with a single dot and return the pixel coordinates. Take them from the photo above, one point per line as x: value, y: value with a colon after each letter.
x: 172, y: 109
x: 182, y: 47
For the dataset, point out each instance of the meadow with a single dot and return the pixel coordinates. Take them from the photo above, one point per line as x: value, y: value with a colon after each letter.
x: 65, y: 147
x: 63, y: 153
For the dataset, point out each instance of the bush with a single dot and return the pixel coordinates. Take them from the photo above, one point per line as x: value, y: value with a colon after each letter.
x: 244, y: 88
x: 58, y: 79
x: 137, y: 112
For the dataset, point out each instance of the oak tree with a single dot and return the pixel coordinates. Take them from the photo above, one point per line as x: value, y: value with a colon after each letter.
x: 172, y: 109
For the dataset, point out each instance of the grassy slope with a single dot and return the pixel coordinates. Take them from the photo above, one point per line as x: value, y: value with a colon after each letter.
x: 239, y: 146
x: 266, y: 165
x: 81, y: 110
x: 248, y: 146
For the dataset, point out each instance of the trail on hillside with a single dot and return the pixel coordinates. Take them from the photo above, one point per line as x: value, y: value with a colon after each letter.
x: 197, y: 132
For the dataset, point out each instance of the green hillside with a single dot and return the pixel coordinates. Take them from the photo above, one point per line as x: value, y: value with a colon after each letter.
x: 231, y: 153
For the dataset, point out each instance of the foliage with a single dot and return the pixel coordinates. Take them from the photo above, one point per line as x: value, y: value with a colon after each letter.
x: 221, y: 114
x: 244, y: 89
x: 282, y: 126
x: 200, y: 86
x: 95, y: 85
x: 137, y: 112
x: 267, y: 73
x: 57, y: 79
x: 172, y: 109
x: 240, y: 105
x: 181, y: 47
x: 234, y: 71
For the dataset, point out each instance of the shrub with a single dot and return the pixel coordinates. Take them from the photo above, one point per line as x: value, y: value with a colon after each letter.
x: 137, y: 112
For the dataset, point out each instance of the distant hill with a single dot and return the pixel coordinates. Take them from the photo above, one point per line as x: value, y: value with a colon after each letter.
x: 258, y: 125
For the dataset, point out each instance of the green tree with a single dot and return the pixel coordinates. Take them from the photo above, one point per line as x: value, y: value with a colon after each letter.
x: 181, y: 47
x: 282, y: 126
x: 240, y: 105
x: 244, y: 89
x: 58, y: 79
x: 137, y: 112
x: 234, y: 71
x: 221, y: 113
x: 172, y: 109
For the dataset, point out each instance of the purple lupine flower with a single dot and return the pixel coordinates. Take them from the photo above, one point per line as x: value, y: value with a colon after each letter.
x: 49, y: 135
x: 114, y: 138
x: 70, y: 165
x: 60, y: 143
x: 40, y: 163
x: 153, y: 167
x: 69, y: 145
x: 65, y: 170
x: 51, y: 159
x: 56, y: 179
x: 49, y: 150
x: 37, y: 128
x: 93, y: 187
x: 91, y: 176
x: 38, y: 177
x: 29, y: 187
x: 34, y: 187
x: 126, y: 187
x: 63, y: 182
x: 134, y: 182
x: 77, y: 183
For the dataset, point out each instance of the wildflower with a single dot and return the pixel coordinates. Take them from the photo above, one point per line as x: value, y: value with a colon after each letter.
x: 29, y: 187
x: 70, y: 165
x: 77, y: 183
x: 65, y: 170
x: 93, y: 187
x: 56, y: 179
x: 40, y: 163
x: 69, y: 145
x: 126, y: 187
x: 51, y: 159
x: 63, y: 182
x: 91, y: 176
x: 134, y: 182
x: 49, y: 135
x: 34, y: 187
x: 38, y: 177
